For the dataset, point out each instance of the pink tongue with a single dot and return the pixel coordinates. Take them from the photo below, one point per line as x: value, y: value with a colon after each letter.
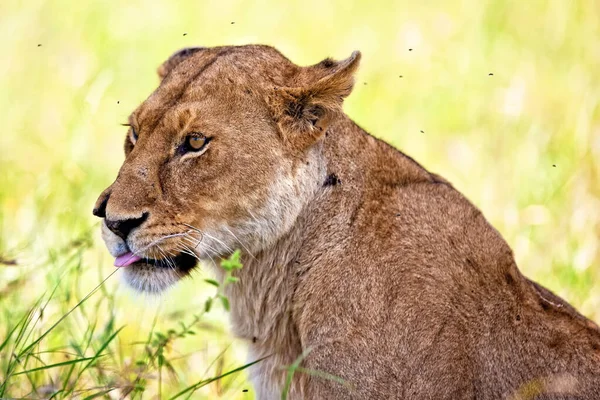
x: 126, y: 259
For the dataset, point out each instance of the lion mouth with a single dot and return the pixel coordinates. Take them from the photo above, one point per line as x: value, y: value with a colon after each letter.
x: 182, y: 262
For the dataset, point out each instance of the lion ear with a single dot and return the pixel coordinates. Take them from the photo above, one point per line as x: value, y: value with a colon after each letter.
x: 175, y: 59
x: 310, y: 108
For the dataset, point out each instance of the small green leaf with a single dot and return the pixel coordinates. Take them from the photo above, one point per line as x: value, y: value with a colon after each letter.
x: 212, y: 282
x: 225, y: 302
x: 233, y: 262
x: 232, y: 279
x: 208, y: 304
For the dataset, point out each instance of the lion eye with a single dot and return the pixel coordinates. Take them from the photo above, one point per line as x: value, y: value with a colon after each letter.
x: 134, y: 135
x: 196, y: 142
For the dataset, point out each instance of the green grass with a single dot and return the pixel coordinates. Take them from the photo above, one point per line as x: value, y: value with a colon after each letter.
x: 84, y: 359
x: 523, y: 144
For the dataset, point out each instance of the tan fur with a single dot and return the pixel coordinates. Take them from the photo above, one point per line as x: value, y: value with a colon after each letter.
x: 380, y: 272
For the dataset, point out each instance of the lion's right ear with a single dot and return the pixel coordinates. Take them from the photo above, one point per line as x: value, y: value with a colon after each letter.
x: 307, y: 110
x: 175, y: 59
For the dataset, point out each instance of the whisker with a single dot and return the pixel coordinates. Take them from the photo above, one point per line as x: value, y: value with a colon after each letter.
x: 162, y: 239
x: 184, y: 249
x: 236, y: 238
x: 197, y: 243
x: 210, y: 236
x: 161, y: 253
x: 168, y: 259
x: 208, y: 249
x: 195, y: 229
x: 261, y: 238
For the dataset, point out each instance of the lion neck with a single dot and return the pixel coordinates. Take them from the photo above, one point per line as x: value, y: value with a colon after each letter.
x: 264, y: 300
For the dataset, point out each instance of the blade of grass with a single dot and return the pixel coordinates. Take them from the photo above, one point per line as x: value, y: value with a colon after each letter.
x: 67, y: 314
x: 90, y: 333
x: 60, y: 364
x: 14, y: 360
x: 98, y: 394
x: 55, y: 394
x: 10, y: 333
x: 26, y: 350
x: 96, y: 356
x: 50, y: 297
x: 205, y: 382
x: 99, y: 352
x: 291, y: 370
x: 323, y: 375
x: 295, y: 367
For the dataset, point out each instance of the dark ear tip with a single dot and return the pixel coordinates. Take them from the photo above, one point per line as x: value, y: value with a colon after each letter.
x: 188, y: 51
x: 175, y: 59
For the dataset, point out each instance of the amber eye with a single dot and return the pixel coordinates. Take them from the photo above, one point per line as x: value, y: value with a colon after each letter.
x: 196, y: 142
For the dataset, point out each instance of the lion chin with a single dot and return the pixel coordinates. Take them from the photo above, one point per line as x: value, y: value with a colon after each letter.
x: 156, y: 276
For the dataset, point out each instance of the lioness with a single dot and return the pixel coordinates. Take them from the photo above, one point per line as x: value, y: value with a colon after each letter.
x: 355, y: 256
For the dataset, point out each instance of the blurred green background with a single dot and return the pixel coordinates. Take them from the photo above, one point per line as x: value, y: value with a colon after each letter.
x: 500, y: 97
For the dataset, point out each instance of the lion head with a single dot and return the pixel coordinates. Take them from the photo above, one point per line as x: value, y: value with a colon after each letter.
x: 224, y: 154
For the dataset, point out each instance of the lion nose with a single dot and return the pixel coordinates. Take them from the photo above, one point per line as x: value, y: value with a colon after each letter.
x: 120, y: 227
x: 100, y: 207
x: 123, y: 227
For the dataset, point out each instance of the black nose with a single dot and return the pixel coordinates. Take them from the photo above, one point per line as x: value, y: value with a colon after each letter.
x: 122, y: 227
x: 100, y: 207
